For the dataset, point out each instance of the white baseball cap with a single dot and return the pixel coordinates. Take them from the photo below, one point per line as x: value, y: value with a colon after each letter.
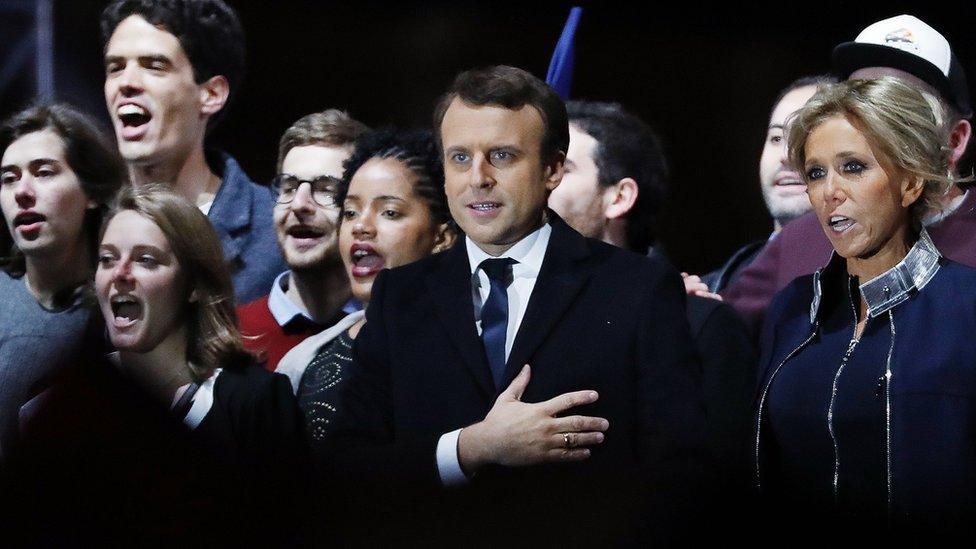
x: 907, y: 43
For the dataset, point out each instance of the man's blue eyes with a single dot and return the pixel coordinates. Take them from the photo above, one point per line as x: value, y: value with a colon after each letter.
x: 495, y: 156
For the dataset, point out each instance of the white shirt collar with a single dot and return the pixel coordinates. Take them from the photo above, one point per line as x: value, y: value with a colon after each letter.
x: 283, y: 309
x: 939, y: 215
x: 528, y: 252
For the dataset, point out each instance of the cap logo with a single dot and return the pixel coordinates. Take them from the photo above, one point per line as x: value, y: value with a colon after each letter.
x: 902, y: 39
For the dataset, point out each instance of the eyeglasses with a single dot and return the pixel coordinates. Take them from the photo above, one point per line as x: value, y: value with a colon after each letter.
x: 324, y: 188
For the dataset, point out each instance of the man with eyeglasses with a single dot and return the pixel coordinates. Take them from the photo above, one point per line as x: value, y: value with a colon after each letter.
x: 313, y: 294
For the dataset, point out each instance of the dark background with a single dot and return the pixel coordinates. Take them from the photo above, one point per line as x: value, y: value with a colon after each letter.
x: 703, y: 76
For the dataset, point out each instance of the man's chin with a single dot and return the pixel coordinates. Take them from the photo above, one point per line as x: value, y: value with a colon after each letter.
x: 789, y: 207
x: 138, y: 153
x: 312, y: 261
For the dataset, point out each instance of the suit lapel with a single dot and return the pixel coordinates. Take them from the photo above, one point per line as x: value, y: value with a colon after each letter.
x: 560, y: 280
x: 450, y: 289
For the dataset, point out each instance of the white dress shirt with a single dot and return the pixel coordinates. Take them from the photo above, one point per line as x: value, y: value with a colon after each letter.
x: 282, y: 308
x: 528, y: 253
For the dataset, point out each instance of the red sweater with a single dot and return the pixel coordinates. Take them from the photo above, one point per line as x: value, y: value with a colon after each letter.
x: 262, y: 333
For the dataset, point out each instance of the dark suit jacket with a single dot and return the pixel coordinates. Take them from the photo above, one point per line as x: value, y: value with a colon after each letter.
x: 718, y: 279
x: 598, y: 318
x: 104, y: 462
x: 729, y: 364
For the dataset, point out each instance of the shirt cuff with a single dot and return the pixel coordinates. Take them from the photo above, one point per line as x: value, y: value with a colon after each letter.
x: 448, y: 465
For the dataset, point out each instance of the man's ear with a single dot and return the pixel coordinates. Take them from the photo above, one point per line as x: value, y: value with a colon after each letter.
x: 214, y: 94
x: 958, y: 140
x: 620, y: 198
x: 91, y: 204
x: 555, y: 170
x: 445, y: 238
x: 911, y: 190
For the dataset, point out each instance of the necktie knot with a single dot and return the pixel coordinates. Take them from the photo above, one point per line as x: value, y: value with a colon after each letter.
x: 497, y: 269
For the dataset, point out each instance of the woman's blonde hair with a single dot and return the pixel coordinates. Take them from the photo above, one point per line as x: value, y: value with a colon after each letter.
x: 906, y: 125
x: 213, y: 339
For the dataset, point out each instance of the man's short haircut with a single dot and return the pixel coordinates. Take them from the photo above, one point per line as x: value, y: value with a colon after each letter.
x: 208, y: 31
x: 417, y: 151
x: 329, y: 128
x: 626, y: 147
x: 511, y: 88
x: 821, y: 81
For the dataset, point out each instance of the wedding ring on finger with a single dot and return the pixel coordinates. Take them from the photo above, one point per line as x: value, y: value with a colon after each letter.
x: 567, y: 440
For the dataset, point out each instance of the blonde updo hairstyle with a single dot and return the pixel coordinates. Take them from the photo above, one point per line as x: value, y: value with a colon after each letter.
x: 907, y: 126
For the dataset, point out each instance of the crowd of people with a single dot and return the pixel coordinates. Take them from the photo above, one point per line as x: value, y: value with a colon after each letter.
x: 467, y: 335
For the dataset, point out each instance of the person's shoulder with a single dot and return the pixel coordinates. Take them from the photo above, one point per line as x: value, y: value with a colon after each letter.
x: 708, y: 312
x: 237, y: 182
x: 14, y: 293
x: 619, y: 263
x: 229, y: 169
x: 957, y: 271
x: 598, y: 252
x: 705, y: 307
x: 255, y: 313
x: 800, y: 287
x: 423, y: 267
x: 801, y: 226
x: 248, y: 390
x: 794, y: 299
x: 247, y: 381
x: 956, y: 280
x: 258, y: 305
x: 10, y: 284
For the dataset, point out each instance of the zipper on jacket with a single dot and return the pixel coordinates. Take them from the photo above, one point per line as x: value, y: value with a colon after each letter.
x: 887, y: 391
x: 830, y: 412
x: 762, y: 398
x: 833, y: 391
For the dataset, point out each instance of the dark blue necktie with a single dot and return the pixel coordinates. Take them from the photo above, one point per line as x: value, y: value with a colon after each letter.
x: 494, y: 315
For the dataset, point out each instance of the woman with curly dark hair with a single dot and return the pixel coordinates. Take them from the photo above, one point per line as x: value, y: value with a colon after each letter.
x: 394, y: 212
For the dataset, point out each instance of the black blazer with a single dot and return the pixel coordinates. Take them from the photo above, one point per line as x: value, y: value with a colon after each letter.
x: 104, y: 462
x: 598, y: 318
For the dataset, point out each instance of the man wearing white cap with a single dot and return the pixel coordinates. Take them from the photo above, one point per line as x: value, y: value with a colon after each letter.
x: 907, y: 48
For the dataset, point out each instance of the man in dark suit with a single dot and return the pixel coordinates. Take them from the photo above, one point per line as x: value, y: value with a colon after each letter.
x: 591, y: 444
x: 614, y: 189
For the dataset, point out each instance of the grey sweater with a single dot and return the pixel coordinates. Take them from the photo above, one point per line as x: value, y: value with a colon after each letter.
x: 34, y: 344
